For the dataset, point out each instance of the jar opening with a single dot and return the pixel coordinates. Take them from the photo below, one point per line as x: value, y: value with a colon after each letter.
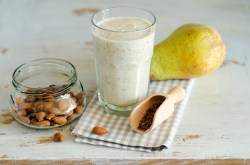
x: 42, y: 75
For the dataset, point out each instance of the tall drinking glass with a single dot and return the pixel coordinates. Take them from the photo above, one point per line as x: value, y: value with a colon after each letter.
x: 123, y: 40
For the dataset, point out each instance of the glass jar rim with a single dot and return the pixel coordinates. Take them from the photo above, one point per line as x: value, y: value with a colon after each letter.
x: 117, y: 31
x: 26, y: 89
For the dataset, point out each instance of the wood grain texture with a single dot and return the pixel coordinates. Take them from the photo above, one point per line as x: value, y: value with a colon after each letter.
x: 130, y: 162
x: 215, y: 127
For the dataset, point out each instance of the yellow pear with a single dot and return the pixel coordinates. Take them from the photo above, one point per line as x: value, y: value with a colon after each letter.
x: 190, y: 51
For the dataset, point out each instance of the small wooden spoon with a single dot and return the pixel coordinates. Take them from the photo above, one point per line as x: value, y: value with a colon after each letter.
x: 163, y: 112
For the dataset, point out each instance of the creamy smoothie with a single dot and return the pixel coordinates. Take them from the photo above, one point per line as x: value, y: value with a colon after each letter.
x: 123, y: 58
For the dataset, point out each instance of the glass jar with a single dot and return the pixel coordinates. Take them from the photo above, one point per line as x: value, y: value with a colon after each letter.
x: 47, y: 94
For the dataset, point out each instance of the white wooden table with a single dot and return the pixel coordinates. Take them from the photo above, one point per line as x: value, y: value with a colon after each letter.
x: 215, y: 126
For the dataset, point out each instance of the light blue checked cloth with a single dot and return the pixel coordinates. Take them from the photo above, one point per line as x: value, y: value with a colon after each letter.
x: 120, y: 135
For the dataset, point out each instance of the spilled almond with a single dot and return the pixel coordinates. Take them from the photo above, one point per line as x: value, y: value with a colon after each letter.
x: 99, y: 130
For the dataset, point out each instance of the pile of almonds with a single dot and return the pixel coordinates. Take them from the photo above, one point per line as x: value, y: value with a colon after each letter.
x: 47, y: 109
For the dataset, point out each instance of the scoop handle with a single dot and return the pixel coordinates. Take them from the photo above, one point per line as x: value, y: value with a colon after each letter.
x: 176, y: 94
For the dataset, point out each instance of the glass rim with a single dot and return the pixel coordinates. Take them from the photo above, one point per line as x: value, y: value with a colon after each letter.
x: 24, y: 88
x: 116, y: 31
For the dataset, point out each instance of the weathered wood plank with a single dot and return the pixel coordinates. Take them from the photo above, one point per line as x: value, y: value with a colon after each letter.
x: 215, y: 128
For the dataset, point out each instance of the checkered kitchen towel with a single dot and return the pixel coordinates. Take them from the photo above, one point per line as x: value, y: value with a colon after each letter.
x: 120, y: 135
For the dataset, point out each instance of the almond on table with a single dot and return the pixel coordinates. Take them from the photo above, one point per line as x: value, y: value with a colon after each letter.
x: 58, y: 137
x: 99, y: 130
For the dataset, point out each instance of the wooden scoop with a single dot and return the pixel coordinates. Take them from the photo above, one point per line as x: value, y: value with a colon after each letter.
x: 163, y: 112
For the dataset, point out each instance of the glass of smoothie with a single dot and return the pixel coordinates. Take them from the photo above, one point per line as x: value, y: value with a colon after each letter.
x: 123, y: 40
